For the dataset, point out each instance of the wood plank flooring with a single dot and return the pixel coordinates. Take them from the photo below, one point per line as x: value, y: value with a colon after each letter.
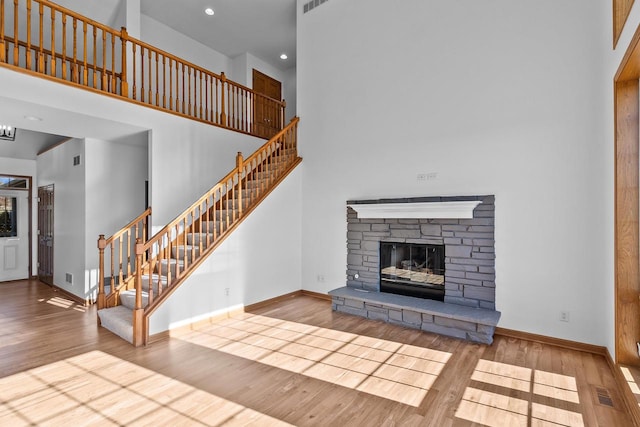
x: 291, y: 363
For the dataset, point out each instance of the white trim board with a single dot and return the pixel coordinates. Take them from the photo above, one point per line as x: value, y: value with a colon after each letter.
x: 430, y: 210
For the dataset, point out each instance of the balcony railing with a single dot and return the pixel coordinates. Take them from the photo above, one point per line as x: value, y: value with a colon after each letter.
x: 44, y: 38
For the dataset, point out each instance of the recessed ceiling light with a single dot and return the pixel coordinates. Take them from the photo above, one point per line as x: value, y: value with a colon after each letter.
x: 283, y: 56
x: 209, y: 11
x: 33, y: 118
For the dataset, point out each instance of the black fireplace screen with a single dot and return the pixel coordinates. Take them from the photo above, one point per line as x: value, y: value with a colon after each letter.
x: 412, y: 269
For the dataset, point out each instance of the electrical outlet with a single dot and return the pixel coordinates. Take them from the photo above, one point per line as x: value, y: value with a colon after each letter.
x: 226, y: 292
x: 564, y: 316
x: 423, y: 177
x: 320, y: 278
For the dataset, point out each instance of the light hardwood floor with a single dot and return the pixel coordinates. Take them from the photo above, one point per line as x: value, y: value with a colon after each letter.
x: 291, y: 363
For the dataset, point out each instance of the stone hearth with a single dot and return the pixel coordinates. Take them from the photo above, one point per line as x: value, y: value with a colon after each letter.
x: 468, y: 310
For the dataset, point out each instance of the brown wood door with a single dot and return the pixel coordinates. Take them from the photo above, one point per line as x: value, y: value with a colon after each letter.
x: 267, y: 119
x: 45, y: 234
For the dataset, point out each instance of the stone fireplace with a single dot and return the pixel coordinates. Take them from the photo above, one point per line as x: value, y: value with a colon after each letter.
x: 459, y: 301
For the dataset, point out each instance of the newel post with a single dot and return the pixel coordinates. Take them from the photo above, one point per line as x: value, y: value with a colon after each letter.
x: 138, y: 319
x: 102, y: 243
x: 295, y: 133
x: 124, y: 85
x: 240, y: 168
x: 223, y: 115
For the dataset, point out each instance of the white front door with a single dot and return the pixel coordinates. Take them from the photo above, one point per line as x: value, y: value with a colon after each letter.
x: 14, y: 235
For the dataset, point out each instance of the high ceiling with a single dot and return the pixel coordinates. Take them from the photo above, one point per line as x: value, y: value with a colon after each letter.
x: 264, y: 28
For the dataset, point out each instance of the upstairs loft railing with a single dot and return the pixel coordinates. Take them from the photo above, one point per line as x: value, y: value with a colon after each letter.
x: 49, y: 40
x: 158, y: 265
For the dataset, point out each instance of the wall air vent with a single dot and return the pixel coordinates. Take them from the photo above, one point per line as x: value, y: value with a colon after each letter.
x: 309, y: 6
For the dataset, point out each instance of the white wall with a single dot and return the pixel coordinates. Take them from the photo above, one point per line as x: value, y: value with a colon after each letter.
x: 114, y: 193
x: 163, y: 37
x: 187, y: 159
x: 26, y: 168
x: 289, y: 93
x: 502, y: 100
x: 260, y: 260
x: 56, y: 167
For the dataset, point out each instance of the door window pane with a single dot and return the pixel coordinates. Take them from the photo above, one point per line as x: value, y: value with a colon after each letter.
x: 8, y: 215
x: 13, y: 182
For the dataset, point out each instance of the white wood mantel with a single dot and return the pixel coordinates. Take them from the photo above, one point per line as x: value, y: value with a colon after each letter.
x: 428, y: 210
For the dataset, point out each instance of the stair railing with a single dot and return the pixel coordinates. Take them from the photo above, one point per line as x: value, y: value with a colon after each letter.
x: 166, y: 259
x: 47, y: 39
x: 118, y: 252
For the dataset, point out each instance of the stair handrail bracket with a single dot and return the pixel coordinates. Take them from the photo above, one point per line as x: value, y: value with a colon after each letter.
x: 66, y: 46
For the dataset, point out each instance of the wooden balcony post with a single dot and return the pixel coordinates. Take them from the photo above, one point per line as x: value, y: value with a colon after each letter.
x: 101, y: 297
x: 138, y: 312
x: 124, y: 85
x: 28, y: 49
x: 223, y: 115
x: 283, y: 115
x: 3, y: 47
x: 52, y: 68
x: 16, y: 37
x: 240, y: 168
x: 41, y: 68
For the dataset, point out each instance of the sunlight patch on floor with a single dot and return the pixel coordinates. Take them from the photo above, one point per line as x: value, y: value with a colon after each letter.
x: 395, y: 371
x: 64, y: 303
x: 96, y: 388
x: 495, y: 409
x: 628, y: 376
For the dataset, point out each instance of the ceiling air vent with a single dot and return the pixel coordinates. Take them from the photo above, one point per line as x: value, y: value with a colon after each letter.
x: 309, y: 6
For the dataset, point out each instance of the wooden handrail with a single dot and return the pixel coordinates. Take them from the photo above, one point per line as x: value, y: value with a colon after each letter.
x: 97, y: 55
x: 208, y: 221
x: 118, y: 248
x: 143, y: 216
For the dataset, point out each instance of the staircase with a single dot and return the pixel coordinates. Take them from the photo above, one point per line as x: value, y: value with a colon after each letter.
x: 141, y: 273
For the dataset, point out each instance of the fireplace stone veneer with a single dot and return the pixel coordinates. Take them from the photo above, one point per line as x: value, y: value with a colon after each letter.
x: 469, y: 269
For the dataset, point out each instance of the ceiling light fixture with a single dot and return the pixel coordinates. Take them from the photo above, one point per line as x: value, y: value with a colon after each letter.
x: 7, y: 133
x: 209, y: 11
x: 283, y: 56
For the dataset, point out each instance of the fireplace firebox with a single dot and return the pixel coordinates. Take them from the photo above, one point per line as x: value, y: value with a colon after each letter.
x: 415, y: 270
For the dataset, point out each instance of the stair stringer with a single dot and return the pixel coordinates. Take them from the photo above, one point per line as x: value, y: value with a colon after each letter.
x: 162, y: 298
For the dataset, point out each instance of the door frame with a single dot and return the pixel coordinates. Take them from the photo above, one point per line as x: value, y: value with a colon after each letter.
x: 45, y: 279
x: 626, y: 204
x: 29, y: 191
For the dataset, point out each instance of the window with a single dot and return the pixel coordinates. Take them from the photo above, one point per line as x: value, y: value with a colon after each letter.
x: 13, y: 182
x: 8, y: 215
